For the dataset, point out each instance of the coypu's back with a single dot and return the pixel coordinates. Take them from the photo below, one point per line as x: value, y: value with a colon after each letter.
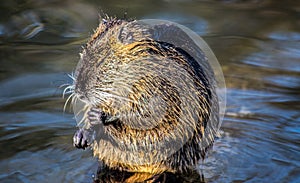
x: 145, y: 93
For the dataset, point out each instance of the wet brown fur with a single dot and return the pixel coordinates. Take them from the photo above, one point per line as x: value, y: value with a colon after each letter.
x: 107, y: 66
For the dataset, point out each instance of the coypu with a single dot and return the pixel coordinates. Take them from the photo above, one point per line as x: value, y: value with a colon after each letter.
x: 144, y: 96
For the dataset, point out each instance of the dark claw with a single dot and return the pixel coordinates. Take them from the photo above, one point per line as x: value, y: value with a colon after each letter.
x: 80, y: 139
x: 83, y: 137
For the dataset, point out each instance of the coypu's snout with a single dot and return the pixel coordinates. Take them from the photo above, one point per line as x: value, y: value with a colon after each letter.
x: 85, y: 76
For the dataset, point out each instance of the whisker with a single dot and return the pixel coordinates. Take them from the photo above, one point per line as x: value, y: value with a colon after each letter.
x: 72, y: 76
x: 83, y: 109
x: 69, y: 89
x: 104, y: 89
x: 67, y: 101
x: 64, y: 85
x: 74, y: 100
x: 103, y: 94
x: 85, y: 115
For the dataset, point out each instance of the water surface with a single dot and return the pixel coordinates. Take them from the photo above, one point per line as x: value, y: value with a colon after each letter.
x: 256, y: 42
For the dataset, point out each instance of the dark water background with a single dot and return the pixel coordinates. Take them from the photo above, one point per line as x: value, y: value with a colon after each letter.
x: 256, y: 42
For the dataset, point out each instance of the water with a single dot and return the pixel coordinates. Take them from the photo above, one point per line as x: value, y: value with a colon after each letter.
x: 256, y: 42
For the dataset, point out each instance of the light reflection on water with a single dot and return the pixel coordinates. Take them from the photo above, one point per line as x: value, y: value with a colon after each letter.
x: 257, y: 46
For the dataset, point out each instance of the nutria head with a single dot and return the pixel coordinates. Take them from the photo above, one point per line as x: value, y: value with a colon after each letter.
x: 150, y: 104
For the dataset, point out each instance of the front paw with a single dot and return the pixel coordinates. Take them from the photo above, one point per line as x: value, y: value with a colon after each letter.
x: 96, y: 116
x: 80, y: 139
